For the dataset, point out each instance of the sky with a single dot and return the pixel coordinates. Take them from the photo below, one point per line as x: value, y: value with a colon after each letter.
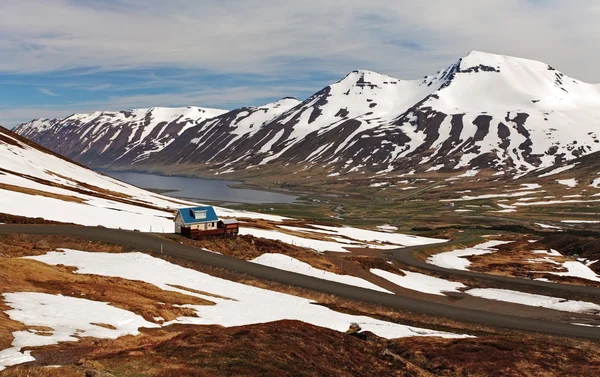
x: 59, y: 57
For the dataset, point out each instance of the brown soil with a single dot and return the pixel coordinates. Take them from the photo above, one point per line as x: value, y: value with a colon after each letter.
x: 292, y: 348
x: 283, y: 348
x: 495, y: 356
x: 30, y: 191
x: 13, y: 219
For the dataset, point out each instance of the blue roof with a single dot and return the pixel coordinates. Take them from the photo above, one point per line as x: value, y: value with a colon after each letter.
x: 187, y: 214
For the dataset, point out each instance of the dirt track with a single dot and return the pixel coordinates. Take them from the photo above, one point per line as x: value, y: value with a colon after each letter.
x: 153, y: 243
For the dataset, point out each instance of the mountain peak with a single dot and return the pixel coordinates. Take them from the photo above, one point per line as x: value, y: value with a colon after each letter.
x: 495, y: 62
x: 365, y: 78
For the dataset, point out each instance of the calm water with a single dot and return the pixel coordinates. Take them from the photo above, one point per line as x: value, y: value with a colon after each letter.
x: 199, y: 188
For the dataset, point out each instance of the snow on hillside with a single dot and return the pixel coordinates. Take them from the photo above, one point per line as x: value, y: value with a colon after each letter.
x: 284, y: 262
x: 549, y: 302
x: 241, y: 299
x: 69, y: 319
x: 457, y: 259
x: 34, y: 183
x: 248, y: 121
x: 482, y: 111
x: 340, y: 239
x: 420, y: 282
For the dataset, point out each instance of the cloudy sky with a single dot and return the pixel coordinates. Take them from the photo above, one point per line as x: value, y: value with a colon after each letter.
x: 63, y: 56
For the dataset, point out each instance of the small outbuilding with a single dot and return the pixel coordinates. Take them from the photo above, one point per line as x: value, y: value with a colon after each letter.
x: 198, y: 222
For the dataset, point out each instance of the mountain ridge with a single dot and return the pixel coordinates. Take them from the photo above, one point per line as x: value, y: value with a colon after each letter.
x: 484, y: 111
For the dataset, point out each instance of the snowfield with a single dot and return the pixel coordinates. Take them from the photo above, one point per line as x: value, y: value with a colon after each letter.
x: 69, y: 317
x: 38, y: 184
x: 283, y: 262
x: 374, y: 236
x: 535, y: 300
x: 579, y: 270
x: 420, y: 282
x: 456, y: 259
x: 341, y: 238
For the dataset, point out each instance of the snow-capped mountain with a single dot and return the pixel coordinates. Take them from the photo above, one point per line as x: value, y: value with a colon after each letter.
x: 38, y: 183
x: 123, y: 137
x: 483, y: 111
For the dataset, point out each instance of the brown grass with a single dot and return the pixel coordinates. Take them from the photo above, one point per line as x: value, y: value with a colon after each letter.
x: 272, y: 349
x: 7, y: 326
x: 283, y: 348
x: 502, y: 356
x: 293, y: 348
x: 513, y: 260
x: 249, y: 247
x: 13, y: 219
x: 106, y: 326
x: 30, y: 371
x: 198, y: 292
x: 25, y: 275
x: 30, y: 191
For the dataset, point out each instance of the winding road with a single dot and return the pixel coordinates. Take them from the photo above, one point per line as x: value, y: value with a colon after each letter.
x: 152, y: 243
x: 407, y: 256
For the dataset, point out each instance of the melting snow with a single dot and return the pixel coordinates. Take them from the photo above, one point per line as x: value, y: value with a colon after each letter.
x: 535, y: 300
x: 387, y: 228
x: 577, y: 269
x: 284, y: 262
x: 571, y: 182
x: 420, y: 282
x: 456, y: 259
x: 245, y: 304
x: 557, y: 170
x: 68, y: 317
x: 354, y: 237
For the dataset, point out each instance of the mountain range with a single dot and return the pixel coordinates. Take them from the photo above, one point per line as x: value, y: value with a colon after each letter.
x: 484, y: 111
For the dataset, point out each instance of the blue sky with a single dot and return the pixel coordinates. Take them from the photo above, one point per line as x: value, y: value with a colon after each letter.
x: 58, y: 57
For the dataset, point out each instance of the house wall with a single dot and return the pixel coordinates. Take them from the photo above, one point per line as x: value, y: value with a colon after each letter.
x: 178, y: 223
x: 204, y: 226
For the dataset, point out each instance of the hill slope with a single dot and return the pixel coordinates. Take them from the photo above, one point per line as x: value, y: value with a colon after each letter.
x: 35, y: 183
x: 483, y: 111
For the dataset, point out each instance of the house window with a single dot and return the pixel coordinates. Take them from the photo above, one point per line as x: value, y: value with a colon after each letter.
x: 200, y: 214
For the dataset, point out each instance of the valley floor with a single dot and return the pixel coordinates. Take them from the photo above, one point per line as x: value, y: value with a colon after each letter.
x: 240, y: 348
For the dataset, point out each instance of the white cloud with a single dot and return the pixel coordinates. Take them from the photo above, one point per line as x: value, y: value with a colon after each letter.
x: 401, y: 38
x: 48, y: 92
x: 228, y: 97
x: 272, y: 41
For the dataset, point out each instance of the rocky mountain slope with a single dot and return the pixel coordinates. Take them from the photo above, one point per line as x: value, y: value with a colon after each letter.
x: 484, y: 111
x: 124, y: 136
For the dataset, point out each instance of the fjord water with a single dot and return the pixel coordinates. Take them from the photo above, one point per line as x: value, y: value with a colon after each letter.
x: 200, y: 189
